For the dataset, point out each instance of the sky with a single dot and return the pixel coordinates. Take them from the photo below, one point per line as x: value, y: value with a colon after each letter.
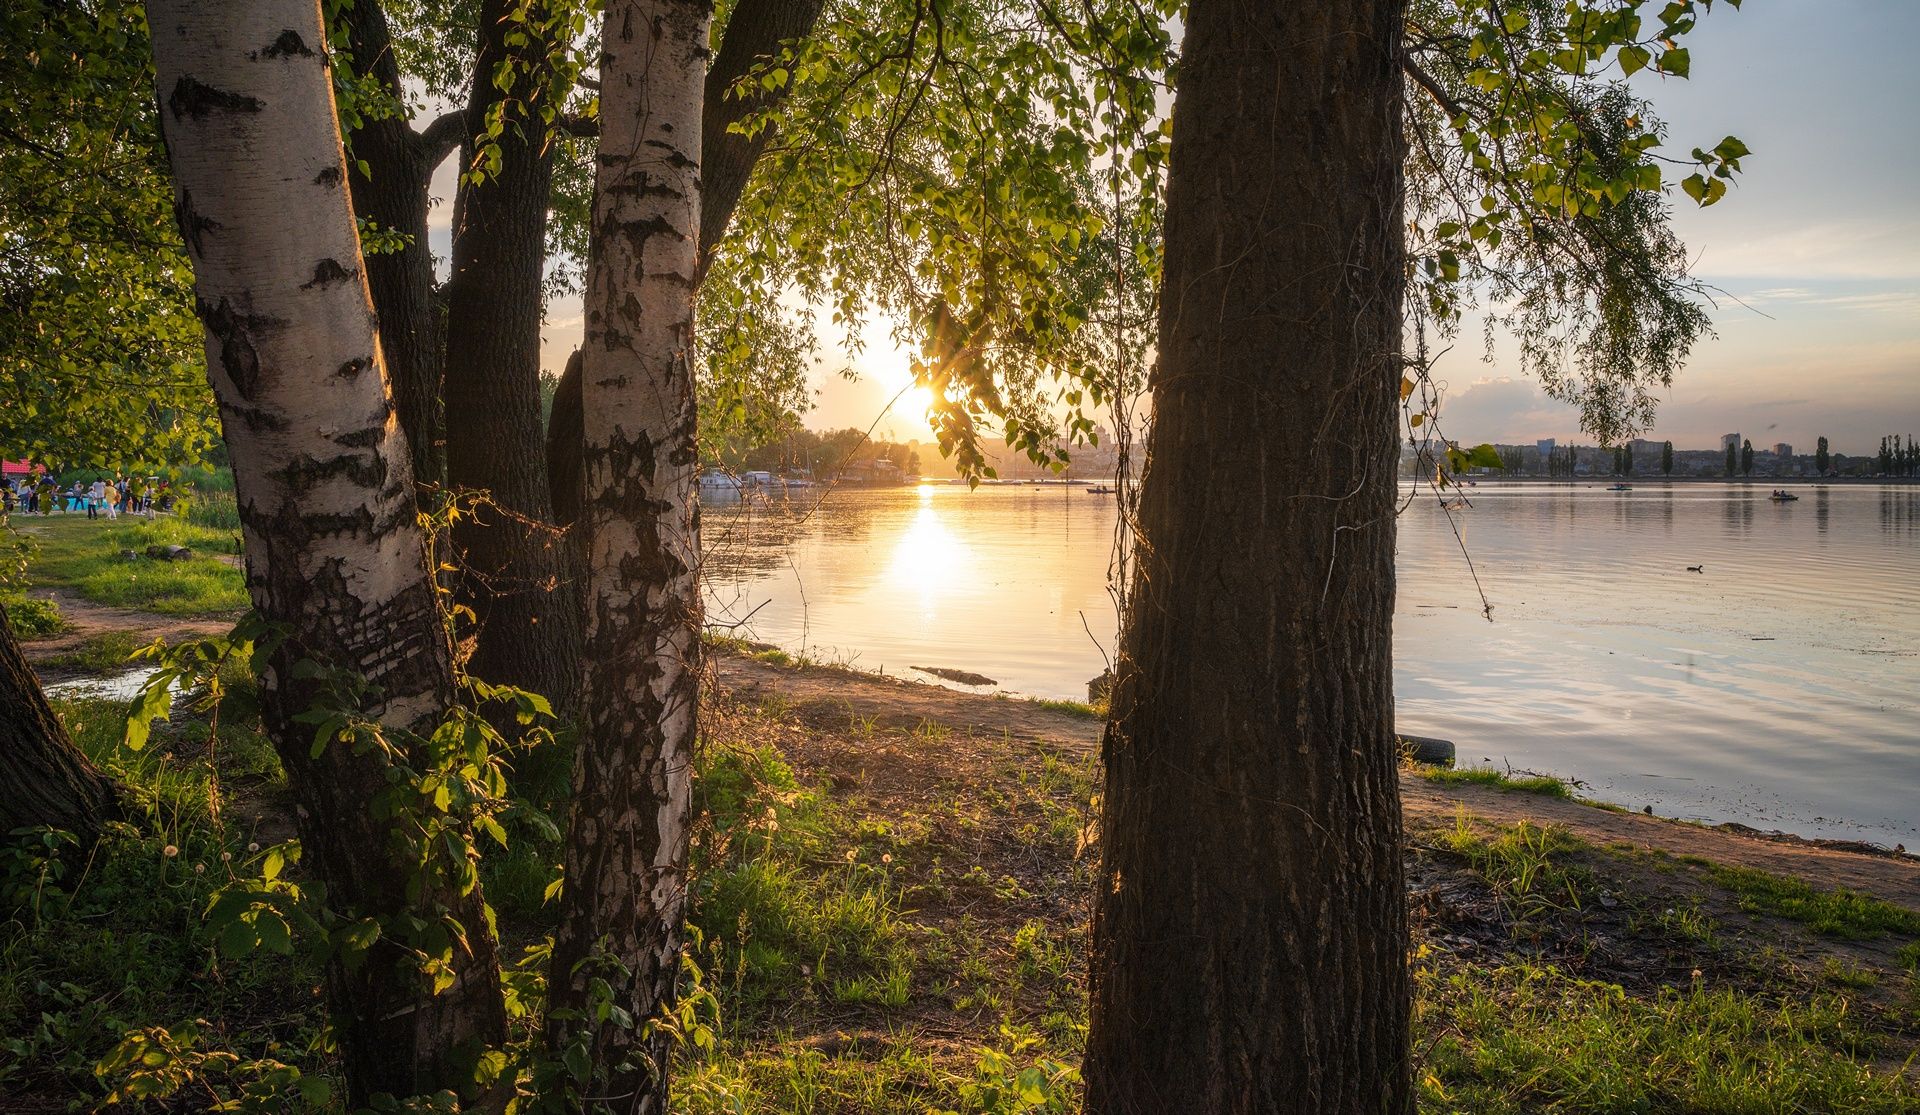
x: 1817, y: 247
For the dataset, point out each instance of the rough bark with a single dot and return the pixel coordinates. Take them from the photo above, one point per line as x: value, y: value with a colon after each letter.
x: 392, y: 193
x: 754, y: 31
x: 512, y: 562
x: 627, y: 845
x: 1249, y: 948
x: 44, y: 778
x: 334, y: 554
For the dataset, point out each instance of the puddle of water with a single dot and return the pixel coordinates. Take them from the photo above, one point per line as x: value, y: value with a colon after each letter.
x: 123, y: 686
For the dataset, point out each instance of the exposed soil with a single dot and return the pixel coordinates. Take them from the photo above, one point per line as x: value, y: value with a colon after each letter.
x: 905, y: 705
x: 86, y: 620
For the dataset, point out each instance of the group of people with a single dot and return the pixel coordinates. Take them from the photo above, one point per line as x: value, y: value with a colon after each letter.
x: 99, y: 499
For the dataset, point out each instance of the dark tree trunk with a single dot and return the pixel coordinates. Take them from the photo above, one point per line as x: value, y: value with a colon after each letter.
x: 754, y: 31
x: 565, y: 437
x: 513, y: 563
x: 44, y: 779
x: 393, y: 194
x: 1249, y: 927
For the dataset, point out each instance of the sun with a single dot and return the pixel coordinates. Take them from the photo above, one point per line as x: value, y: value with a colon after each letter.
x: 917, y: 402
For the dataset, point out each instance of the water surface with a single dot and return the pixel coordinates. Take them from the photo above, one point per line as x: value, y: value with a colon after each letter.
x: 1780, y: 687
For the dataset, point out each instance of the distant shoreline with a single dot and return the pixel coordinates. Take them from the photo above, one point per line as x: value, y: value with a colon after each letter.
x: 1749, y: 481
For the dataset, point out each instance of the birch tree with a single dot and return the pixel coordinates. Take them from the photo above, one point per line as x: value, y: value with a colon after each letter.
x: 626, y: 851
x: 335, y: 556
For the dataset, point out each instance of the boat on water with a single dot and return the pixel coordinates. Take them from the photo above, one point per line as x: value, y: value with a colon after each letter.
x: 1620, y: 488
x: 1779, y: 496
x: 1100, y: 490
x: 714, y: 480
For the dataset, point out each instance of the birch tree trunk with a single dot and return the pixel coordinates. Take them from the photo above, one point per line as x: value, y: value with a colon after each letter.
x: 627, y: 845
x: 334, y: 551
x: 1249, y: 915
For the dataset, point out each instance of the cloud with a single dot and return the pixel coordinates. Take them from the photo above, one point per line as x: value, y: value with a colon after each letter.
x: 1899, y: 302
x: 1502, y: 408
x: 1855, y: 249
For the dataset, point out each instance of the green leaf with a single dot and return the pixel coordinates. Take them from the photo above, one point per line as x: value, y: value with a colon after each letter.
x: 1633, y: 59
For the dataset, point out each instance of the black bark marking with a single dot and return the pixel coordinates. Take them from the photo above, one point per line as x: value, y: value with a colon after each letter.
x: 328, y: 176
x: 326, y: 273
x: 239, y: 358
x: 361, y: 469
x: 194, y: 98
x: 352, y: 368
x: 192, y: 222
x: 674, y: 156
x: 362, y: 439
x: 288, y: 45
x: 259, y: 420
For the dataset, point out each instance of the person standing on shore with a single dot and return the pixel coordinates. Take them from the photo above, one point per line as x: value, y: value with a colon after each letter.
x: 95, y: 498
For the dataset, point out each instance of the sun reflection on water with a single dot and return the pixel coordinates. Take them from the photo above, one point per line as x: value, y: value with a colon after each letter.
x: 929, y: 559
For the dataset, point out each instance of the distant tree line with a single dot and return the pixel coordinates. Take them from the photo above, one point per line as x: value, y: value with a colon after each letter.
x: 820, y: 454
x: 1898, y: 459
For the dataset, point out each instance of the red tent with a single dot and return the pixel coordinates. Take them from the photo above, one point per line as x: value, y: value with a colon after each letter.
x: 18, y: 468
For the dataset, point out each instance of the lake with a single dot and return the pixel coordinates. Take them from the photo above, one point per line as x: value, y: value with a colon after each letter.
x: 1779, y: 687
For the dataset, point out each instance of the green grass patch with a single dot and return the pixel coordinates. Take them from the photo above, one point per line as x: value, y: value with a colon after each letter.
x: 1495, y: 779
x: 790, y: 903
x: 1525, y: 864
x: 87, y: 557
x: 1532, y: 1039
x: 1081, y: 709
x: 99, y: 653
x: 1835, y: 913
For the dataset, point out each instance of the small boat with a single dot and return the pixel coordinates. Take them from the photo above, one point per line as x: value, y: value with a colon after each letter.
x: 1620, y: 488
x: 1100, y: 490
x: 1779, y: 496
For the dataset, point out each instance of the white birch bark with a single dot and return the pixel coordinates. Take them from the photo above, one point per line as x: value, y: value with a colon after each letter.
x: 334, y: 552
x: 627, y: 848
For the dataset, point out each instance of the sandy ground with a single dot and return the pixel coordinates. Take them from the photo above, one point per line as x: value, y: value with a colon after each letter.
x: 893, y: 703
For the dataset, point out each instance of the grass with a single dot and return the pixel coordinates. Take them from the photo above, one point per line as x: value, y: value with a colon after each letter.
x: 1835, y: 913
x: 1495, y: 779
x: 1525, y: 864
x: 876, y: 954
x: 1081, y: 709
x: 103, y: 941
x: 86, y: 557
x: 1530, y: 1038
x: 98, y: 653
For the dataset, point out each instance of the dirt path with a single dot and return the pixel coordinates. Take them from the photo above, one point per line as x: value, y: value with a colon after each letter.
x: 87, y: 620
x: 894, y: 703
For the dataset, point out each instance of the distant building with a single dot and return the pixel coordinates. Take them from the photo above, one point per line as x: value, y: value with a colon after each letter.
x: 1782, y: 450
x: 1729, y: 441
x: 1545, y: 448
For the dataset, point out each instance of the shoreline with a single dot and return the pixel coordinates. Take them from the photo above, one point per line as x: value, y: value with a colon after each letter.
x: 904, y: 702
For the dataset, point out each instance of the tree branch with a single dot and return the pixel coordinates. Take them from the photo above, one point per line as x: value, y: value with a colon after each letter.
x: 1425, y: 81
x: 444, y: 135
x: 755, y: 31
